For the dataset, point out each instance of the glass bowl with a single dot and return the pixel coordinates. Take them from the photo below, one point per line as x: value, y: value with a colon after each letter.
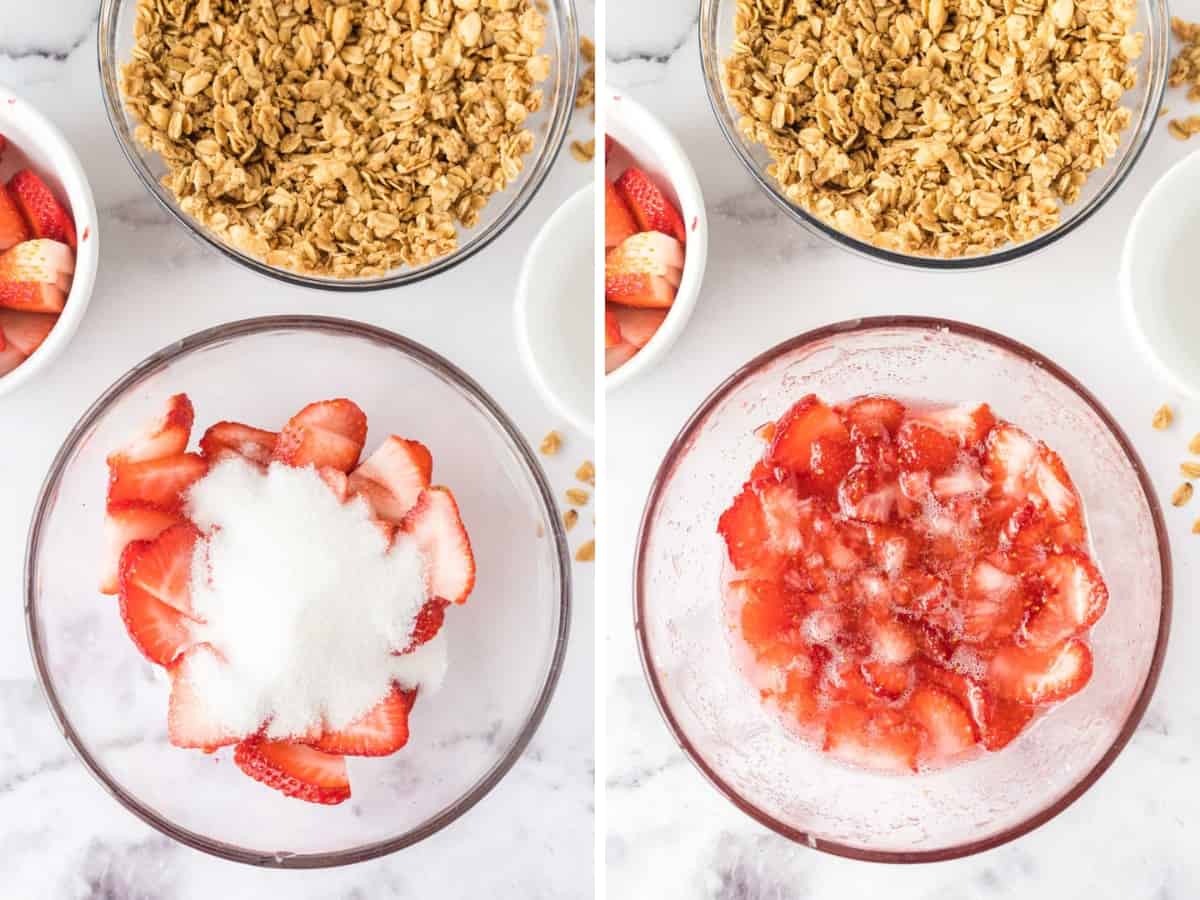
x: 714, y: 712
x: 506, y: 645
x: 549, y: 126
x: 716, y: 41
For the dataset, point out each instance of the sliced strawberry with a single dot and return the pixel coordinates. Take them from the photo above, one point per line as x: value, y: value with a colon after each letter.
x: 963, y: 481
x: 768, y: 613
x: 295, y: 770
x: 968, y: 423
x: 618, y: 220
x: 876, y: 412
x: 45, y: 214
x: 892, y: 641
x: 994, y: 605
x: 167, y: 435
x: 1009, y: 458
x: 637, y: 289
x: 925, y: 449
x: 949, y: 729
x: 651, y: 209
x: 24, y: 330
x: 615, y: 357
x: 435, y: 524
x: 337, y: 482
x: 1000, y: 721
x: 383, y: 730
x: 612, y: 327
x: 648, y: 252
x: 124, y: 524
x: 1053, y: 485
x: 1036, y: 675
x: 329, y: 433
x: 1075, y: 599
x: 744, y: 527
x: 799, y: 428
x: 226, y: 439
x: 40, y: 260
x: 638, y: 326
x: 392, y: 478
x: 162, y: 567
x: 864, y: 496
x: 190, y: 723
x: 889, y: 680
x: 883, y: 741
x: 13, y: 227
x: 799, y: 698
x: 160, y: 631
x: 430, y: 618
x: 32, y: 296
x: 157, y: 482
x: 831, y: 456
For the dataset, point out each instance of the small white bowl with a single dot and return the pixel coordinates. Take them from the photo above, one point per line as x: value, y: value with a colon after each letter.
x: 1157, y: 276
x: 555, y: 311
x: 37, y: 143
x: 644, y: 141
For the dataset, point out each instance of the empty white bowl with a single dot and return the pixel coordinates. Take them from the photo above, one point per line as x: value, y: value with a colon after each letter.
x: 642, y: 140
x: 35, y: 142
x: 555, y: 311
x: 1157, y: 276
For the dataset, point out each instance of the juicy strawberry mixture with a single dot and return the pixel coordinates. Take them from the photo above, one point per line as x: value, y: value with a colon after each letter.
x: 152, y: 553
x: 910, y: 584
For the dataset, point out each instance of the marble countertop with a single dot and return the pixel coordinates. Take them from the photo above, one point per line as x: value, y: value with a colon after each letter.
x: 61, y: 835
x: 1132, y: 836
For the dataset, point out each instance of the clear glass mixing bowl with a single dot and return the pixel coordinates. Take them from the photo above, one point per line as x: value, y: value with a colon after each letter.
x: 549, y: 126
x: 506, y: 644
x: 714, y: 712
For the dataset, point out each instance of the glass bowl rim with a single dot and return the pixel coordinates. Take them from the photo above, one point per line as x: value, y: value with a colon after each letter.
x: 556, y: 136
x: 1158, y: 45
x: 679, y: 447
x: 466, y: 386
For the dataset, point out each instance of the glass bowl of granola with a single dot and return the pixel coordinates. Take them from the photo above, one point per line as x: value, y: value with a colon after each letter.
x: 358, y: 146
x: 941, y: 136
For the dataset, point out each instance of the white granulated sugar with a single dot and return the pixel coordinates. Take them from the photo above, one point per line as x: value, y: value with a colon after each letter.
x: 302, y: 600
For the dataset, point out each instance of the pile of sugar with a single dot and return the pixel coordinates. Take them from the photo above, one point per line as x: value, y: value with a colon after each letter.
x: 303, y: 602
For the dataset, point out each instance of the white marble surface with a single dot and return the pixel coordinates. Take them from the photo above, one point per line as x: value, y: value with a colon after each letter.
x: 61, y: 835
x: 669, y: 834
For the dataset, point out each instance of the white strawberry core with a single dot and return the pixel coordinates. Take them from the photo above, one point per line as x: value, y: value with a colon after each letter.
x: 302, y: 600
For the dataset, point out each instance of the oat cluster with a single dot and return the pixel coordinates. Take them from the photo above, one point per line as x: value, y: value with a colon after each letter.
x: 1185, y: 70
x: 935, y: 127
x: 340, y: 138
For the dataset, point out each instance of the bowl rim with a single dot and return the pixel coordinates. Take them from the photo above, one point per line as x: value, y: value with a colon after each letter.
x: 556, y: 134
x: 75, y: 184
x: 1158, y: 47
x: 680, y: 445
x: 583, y: 200
x: 683, y: 179
x: 222, y: 334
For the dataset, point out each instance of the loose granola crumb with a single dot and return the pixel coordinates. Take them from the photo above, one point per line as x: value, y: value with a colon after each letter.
x: 586, y: 473
x: 1182, y: 494
x: 1163, y: 417
x: 587, y: 48
x: 586, y: 552
x: 584, y: 151
x: 1194, y: 445
x: 1190, y: 469
x: 551, y: 443
x: 341, y: 139
x: 1196, y: 527
x: 577, y: 497
x: 884, y: 120
x: 570, y: 517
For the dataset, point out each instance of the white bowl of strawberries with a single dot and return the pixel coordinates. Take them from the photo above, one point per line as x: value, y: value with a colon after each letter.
x: 655, y: 239
x: 48, y: 243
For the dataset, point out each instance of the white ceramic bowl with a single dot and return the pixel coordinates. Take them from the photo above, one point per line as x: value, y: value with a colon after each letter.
x: 643, y: 140
x: 555, y: 311
x: 35, y: 142
x: 1157, y: 276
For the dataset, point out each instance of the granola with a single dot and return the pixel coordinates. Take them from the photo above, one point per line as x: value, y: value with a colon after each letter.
x: 340, y: 138
x: 937, y: 127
